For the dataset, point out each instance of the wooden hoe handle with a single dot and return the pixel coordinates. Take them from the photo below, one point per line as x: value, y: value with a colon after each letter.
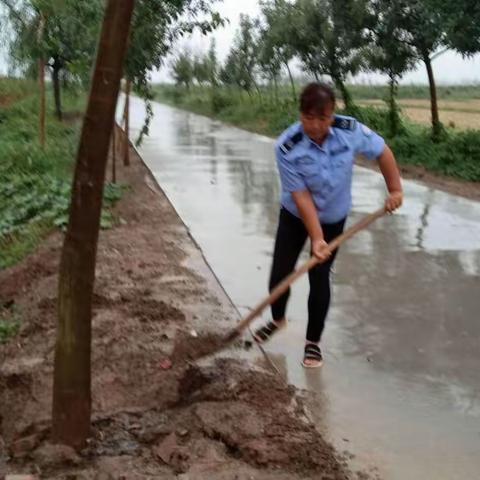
x: 280, y: 289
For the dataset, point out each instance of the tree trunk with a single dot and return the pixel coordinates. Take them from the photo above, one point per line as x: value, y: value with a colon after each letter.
x: 126, y: 153
x: 292, y: 83
x: 41, y: 109
x: 275, y: 83
x: 41, y: 87
x: 393, y: 114
x: 252, y: 79
x: 436, y: 125
x: 64, y: 79
x: 56, y: 88
x: 346, y: 96
x: 72, y: 377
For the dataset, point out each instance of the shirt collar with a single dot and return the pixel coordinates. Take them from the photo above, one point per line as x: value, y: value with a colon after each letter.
x: 308, y: 142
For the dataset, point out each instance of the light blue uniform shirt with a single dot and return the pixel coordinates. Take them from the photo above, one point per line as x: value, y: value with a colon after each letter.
x: 325, y: 170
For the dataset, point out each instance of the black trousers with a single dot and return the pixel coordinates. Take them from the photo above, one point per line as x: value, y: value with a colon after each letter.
x: 291, y: 237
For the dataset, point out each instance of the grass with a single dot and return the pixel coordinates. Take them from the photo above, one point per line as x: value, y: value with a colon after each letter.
x: 7, y: 330
x: 456, y: 154
x: 9, y: 324
x: 12, y: 89
x: 34, y: 183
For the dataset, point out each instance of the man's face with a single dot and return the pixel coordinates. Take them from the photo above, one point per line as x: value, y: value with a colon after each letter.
x: 316, y: 125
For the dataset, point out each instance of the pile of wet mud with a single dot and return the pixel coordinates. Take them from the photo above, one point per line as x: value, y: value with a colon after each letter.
x: 191, y: 347
x: 222, y: 418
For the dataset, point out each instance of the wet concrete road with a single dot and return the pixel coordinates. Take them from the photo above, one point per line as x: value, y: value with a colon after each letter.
x: 401, y: 385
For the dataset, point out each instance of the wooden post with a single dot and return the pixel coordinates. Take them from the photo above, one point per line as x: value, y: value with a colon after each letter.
x: 72, y: 376
x: 114, y: 153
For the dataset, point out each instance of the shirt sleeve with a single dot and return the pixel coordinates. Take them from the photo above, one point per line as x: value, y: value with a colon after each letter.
x: 291, y: 180
x: 367, y: 142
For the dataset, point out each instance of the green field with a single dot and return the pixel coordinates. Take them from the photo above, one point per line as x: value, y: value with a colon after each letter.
x: 35, y: 183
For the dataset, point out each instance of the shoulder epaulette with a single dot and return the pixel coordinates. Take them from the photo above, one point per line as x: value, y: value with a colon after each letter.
x: 344, y: 123
x: 291, y: 142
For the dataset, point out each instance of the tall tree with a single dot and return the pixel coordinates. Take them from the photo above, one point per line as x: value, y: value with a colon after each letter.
x: 73, y: 26
x: 182, y: 69
x: 72, y: 382
x: 70, y: 37
x: 389, y: 54
x: 279, y: 16
x: 424, y: 30
x: 242, y: 61
x: 68, y: 40
x: 331, y: 39
x: 270, y: 60
x: 14, y: 14
x: 212, y: 64
x: 41, y: 83
x: 200, y: 69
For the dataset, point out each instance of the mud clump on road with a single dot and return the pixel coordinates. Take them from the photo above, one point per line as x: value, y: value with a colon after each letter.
x: 155, y: 415
x: 193, y: 347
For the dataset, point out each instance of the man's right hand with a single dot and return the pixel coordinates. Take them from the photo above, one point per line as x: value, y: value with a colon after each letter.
x: 320, y: 249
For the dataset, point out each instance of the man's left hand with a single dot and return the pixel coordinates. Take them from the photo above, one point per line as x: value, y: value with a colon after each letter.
x: 393, y: 201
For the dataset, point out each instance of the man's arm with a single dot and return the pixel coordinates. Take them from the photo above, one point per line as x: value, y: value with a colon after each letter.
x: 304, y: 202
x: 389, y: 169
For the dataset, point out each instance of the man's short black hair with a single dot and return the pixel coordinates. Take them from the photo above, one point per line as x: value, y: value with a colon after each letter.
x: 316, y: 97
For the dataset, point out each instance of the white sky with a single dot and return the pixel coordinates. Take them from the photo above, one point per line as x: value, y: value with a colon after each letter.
x: 449, y: 68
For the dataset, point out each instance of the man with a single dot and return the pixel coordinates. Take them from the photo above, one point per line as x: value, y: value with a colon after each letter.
x: 315, y: 159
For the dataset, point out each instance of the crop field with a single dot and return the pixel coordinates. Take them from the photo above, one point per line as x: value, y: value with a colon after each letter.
x: 460, y: 114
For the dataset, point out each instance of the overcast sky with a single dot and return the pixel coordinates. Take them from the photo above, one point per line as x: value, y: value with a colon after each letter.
x: 449, y: 68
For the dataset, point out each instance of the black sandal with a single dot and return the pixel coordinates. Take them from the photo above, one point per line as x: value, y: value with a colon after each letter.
x: 264, y: 333
x: 312, y: 352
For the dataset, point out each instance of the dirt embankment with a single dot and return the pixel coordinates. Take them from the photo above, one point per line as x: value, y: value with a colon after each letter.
x: 152, y: 419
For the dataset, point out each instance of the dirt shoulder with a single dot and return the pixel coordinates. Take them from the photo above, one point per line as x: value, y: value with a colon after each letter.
x: 223, y: 419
